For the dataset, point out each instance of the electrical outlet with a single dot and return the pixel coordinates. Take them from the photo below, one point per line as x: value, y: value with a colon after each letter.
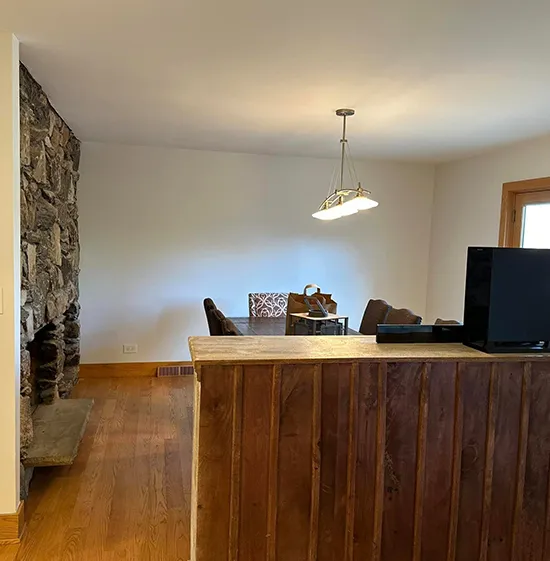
x: 129, y: 349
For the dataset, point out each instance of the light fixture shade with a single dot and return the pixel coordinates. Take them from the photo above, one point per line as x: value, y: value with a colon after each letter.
x: 325, y: 214
x: 333, y: 212
x: 346, y: 210
x: 360, y: 202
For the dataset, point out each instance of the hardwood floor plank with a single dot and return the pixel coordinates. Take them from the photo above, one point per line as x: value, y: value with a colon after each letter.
x: 8, y: 552
x: 127, y: 496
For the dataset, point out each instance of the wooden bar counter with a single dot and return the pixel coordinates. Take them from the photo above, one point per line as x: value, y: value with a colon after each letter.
x: 339, y: 449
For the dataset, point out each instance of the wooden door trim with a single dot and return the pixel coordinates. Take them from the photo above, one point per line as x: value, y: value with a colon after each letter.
x: 509, y: 192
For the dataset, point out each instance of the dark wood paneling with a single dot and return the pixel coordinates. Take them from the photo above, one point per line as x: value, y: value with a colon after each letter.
x: 403, y: 396
x: 295, y: 462
x: 365, y: 485
x: 315, y: 463
x: 374, y: 461
x: 334, y: 444
x: 256, y: 424
x: 533, y: 542
x: 236, y: 448
x: 509, y: 380
x: 475, y: 395
x: 273, y: 477
x: 522, y: 458
x: 420, y: 462
x: 215, y: 463
x: 438, y: 470
x: 351, y: 463
x: 456, y: 466
x: 487, y: 494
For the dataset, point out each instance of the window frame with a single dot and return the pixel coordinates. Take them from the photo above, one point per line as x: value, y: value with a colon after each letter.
x: 510, y: 223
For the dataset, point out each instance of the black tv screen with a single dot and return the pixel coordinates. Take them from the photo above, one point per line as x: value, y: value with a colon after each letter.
x: 507, y: 299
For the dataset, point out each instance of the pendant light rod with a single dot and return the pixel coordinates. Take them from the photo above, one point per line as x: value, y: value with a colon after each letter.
x: 344, y: 201
x: 342, y: 156
x: 344, y: 113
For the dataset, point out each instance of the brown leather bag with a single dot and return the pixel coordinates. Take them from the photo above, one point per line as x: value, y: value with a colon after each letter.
x: 297, y: 304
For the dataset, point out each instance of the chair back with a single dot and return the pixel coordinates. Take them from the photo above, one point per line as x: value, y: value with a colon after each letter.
x: 440, y: 321
x: 214, y: 328
x: 402, y: 316
x: 267, y: 304
x: 215, y: 322
x: 222, y: 325
x: 208, y: 304
x: 375, y: 313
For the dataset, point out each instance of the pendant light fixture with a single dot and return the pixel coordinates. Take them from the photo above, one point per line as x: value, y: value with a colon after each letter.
x: 343, y: 201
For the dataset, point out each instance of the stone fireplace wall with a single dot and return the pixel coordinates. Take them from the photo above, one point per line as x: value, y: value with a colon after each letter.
x: 50, y: 329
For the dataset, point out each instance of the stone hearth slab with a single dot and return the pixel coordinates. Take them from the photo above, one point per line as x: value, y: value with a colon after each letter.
x: 58, y: 430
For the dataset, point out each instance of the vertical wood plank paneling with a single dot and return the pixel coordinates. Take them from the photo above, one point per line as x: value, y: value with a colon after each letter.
x: 315, y: 463
x: 456, y: 464
x: 351, y: 463
x: 489, y: 463
x: 533, y: 526
x: 403, y: 398
x: 196, y: 457
x: 522, y: 458
x: 236, y: 443
x: 256, y: 427
x: 294, y: 473
x: 420, y: 462
x: 507, y: 432
x: 546, y: 536
x: 380, y: 489
x: 335, y: 414
x: 475, y: 397
x: 215, y: 463
x: 373, y: 462
x: 365, y: 485
x: 273, y: 463
x: 439, y: 461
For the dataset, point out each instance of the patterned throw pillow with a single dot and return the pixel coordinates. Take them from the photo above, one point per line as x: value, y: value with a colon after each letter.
x: 267, y: 304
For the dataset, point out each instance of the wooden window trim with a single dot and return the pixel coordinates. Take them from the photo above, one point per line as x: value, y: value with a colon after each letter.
x: 509, y: 192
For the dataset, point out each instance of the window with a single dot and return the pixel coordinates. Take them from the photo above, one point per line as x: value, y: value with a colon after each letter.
x: 525, y: 214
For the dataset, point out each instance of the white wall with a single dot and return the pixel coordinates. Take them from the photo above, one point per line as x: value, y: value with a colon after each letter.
x: 162, y: 228
x: 10, y: 284
x: 467, y: 212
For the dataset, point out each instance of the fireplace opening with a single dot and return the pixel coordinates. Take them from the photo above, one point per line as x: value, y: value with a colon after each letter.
x: 55, y: 357
x: 47, y: 362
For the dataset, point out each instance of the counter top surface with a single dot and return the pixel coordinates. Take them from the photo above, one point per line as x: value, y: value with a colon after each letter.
x: 240, y: 350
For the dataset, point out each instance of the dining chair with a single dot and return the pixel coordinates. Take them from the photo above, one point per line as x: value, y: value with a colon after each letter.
x: 440, y: 321
x: 402, y: 316
x: 213, y: 319
x: 375, y: 313
x: 267, y: 304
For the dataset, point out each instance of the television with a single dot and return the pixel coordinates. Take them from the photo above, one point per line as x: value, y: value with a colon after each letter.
x: 507, y: 299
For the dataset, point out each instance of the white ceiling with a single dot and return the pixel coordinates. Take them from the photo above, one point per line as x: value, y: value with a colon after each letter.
x: 431, y: 80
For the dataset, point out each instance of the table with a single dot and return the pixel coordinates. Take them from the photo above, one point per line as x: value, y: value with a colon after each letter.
x: 251, y: 326
x: 316, y: 324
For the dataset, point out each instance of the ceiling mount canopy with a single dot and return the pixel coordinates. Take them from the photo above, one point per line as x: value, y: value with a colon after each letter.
x: 342, y: 200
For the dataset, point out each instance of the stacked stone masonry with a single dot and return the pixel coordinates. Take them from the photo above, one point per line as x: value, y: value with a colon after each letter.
x: 50, y: 254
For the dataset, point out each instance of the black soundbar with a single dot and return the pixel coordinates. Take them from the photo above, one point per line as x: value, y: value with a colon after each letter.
x: 442, y: 333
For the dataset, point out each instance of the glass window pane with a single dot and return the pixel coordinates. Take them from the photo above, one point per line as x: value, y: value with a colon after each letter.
x: 536, y: 226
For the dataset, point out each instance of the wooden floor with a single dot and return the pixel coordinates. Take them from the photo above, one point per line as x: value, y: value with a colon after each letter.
x: 127, y: 496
